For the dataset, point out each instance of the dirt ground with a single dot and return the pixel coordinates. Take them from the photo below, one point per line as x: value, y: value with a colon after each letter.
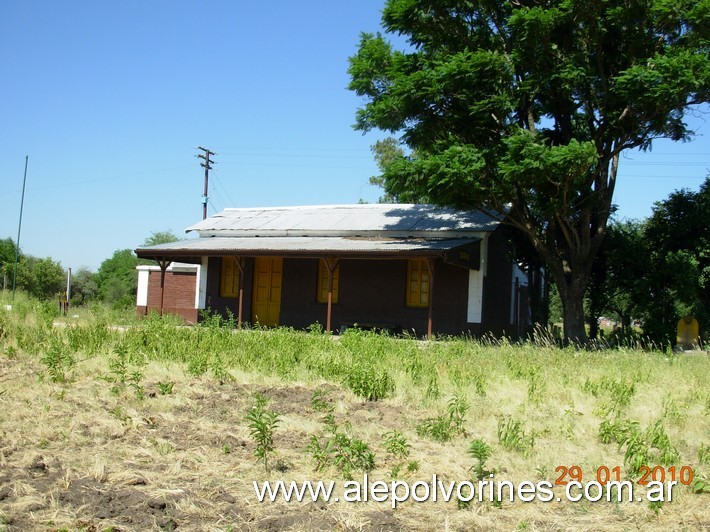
x: 76, y: 456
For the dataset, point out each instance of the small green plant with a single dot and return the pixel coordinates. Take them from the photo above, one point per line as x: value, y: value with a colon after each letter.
x: 569, y: 420
x: 346, y: 454
x: 438, y: 428
x: 448, y: 425
x: 432, y: 389
x: 320, y: 401
x: 58, y: 359
x: 457, y: 408
x: 330, y: 423
x: 658, y: 439
x: 319, y: 453
x: 481, y: 452
x: 262, y: 424
x: 396, y: 444
x: 198, y: 364
x: 637, y: 453
x: 656, y: 506
x: 672, y: 412
x: 616, y: 431
x: 119, y: 413
x: 218, y: 369
x: 165, y: 388
x: 352, y: 454
x: 123, y: 374
x: 479, y: 382
x: 701, y: 486
x: 512, y: 436
x: 368, y: 383
x: 412, y: 466
x: 339, y: 450
x: 542, y: 471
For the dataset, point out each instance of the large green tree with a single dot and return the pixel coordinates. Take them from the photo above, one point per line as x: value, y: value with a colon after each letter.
x: 117, y: 279
x: 677, y: 236
x: 7, y: 260
x: 524, y: 107
x: 619, y: 281
x: 42, y: 278
x: 84, y: 288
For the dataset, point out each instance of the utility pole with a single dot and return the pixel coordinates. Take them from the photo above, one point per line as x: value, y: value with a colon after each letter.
x: 19, y: 229
x: 207, y: 165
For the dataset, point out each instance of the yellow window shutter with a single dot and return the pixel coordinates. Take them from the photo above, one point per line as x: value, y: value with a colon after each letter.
x: 229, y: 282
x: 417, y: 283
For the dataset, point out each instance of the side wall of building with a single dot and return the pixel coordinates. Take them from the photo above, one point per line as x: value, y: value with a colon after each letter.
x: 372, y: 293
x: 178, y: 294
x: 497, y: 287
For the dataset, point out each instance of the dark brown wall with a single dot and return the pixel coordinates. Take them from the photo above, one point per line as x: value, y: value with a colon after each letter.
x: 373, y: 293
x: 497, y: 286
x: 215, y: 302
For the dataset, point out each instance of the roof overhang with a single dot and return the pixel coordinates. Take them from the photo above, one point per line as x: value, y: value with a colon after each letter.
x: 463, y: 252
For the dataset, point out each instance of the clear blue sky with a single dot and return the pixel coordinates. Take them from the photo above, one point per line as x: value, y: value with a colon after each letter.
x: 111, y: 99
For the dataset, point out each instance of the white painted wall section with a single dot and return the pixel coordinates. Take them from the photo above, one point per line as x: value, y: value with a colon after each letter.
x: 142, y: 293
x: 474, y: 312
x: 201, y: 292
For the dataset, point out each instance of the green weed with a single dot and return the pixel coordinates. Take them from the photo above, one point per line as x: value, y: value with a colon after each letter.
x: 320, y: 401
x: 512, y: 436
x: 165, y: 388
x: 346, y: 454
x: 58, y: 359
x: 481, y: 452
x: 447, y: 425
x: 262, y: 424
x: 123, y: 374
x: 369, y: 383
x: 396, y: 444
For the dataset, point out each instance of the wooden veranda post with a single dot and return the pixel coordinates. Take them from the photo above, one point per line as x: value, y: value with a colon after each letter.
x: 240, y: 264
x: 163, y: 263
x: 331, y: 264
x: 430, y: 319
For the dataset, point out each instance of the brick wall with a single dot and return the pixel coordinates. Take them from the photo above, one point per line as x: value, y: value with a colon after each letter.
x: 179, y: 297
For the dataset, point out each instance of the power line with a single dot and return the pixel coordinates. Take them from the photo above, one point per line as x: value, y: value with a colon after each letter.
x: 224, y: 189
x: 665, y: 163
x: 622, y: 176
x: 98, y: 179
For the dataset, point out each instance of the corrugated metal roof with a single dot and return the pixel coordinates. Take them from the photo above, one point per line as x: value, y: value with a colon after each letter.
x: 400, y: 220
x: 216, y: 246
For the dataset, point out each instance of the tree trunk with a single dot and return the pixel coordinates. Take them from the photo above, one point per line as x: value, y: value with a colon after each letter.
x: 593, y: 320
x: 573, y: 316
x: 572, y: 287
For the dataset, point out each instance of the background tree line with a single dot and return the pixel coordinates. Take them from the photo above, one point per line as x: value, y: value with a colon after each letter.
x: 114, y: 283
x: 657, y: 270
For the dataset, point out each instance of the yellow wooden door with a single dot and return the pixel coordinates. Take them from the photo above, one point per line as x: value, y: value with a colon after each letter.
x: 267, y: 290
